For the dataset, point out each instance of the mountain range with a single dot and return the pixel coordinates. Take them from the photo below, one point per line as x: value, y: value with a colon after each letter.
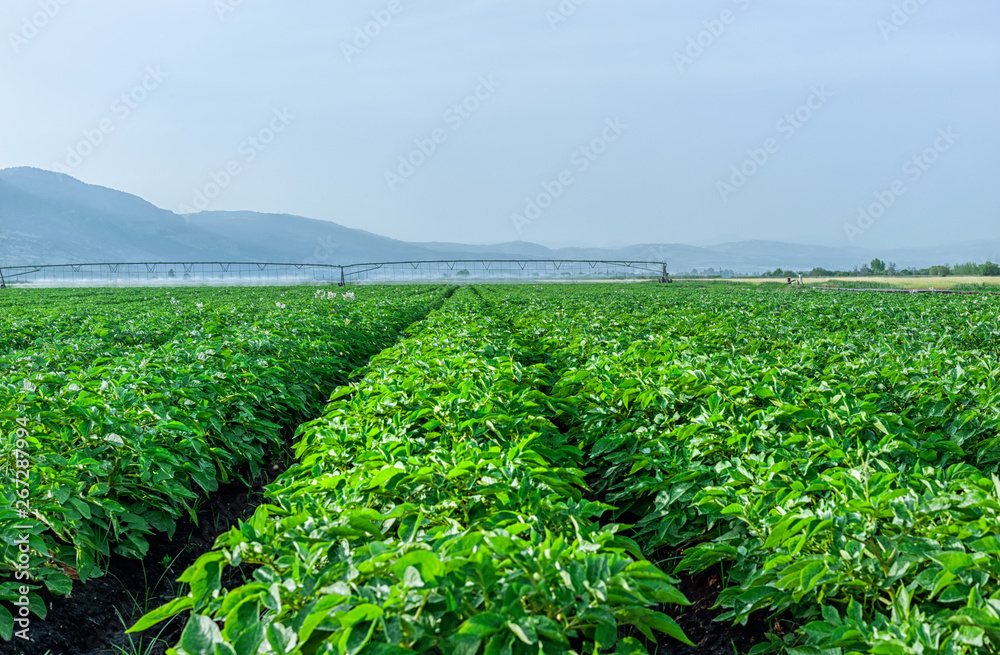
x: 51, y: 218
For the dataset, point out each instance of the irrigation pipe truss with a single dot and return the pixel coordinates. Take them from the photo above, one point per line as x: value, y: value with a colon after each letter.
x: 263, y: 273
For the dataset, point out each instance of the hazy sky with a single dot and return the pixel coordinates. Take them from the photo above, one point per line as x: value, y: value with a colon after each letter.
x: 623, y: 122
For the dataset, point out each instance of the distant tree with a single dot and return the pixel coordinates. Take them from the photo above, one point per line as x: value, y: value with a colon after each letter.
x: 990, y: 269
x: 939, y: 271
x: 864, y: 270
x: 968, y: 268
x: 877, y: 267
x: 891, y: 270
x: 464, y: 272
x: 171, y: 273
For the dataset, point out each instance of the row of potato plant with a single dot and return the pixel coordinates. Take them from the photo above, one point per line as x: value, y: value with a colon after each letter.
x: 120, y: 409
x: 836, y: 456
x: 436, y: 506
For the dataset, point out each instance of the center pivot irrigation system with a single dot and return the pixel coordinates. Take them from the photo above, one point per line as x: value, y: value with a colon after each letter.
x: 257, y: 273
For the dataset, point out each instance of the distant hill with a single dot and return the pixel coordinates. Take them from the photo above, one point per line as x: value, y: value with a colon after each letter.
x: 50, y: 218
x: 53, y: 218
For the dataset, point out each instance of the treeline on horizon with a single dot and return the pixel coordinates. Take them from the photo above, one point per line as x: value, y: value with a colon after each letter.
x: 876, y: 267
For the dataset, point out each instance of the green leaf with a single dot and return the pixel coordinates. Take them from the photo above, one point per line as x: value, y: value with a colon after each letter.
x: 411, y: 578
x: 644, y: 619
x: 240, y: 619
x: 80, y: 506
x: 205, y: 581
x: 630, y: 646
x: 37, y: 605
x: 6, y: 624
x: 499, y: 644
x: 955, y: 562
x: 360, y: 614
x: 481, y: 625
x: 200, y: 636
x: 281, y: 639
x: 524, y: 631
x: 58, y: 583
x: 378, y: 648
x: 317, y: 614
x: 606, y: 634
x: 424, y: 561
x: 355, y: 639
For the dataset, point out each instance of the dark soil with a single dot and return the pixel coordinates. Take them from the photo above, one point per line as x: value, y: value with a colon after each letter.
x: 93, y: 620
x: 698, y: 622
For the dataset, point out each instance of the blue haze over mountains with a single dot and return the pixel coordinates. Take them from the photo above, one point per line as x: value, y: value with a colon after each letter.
x: 50, y: 218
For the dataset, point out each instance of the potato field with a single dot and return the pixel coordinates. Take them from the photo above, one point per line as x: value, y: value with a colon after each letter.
x: 505, y: 470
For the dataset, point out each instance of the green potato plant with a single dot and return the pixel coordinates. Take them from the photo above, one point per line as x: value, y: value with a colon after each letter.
x: 119, y: 409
